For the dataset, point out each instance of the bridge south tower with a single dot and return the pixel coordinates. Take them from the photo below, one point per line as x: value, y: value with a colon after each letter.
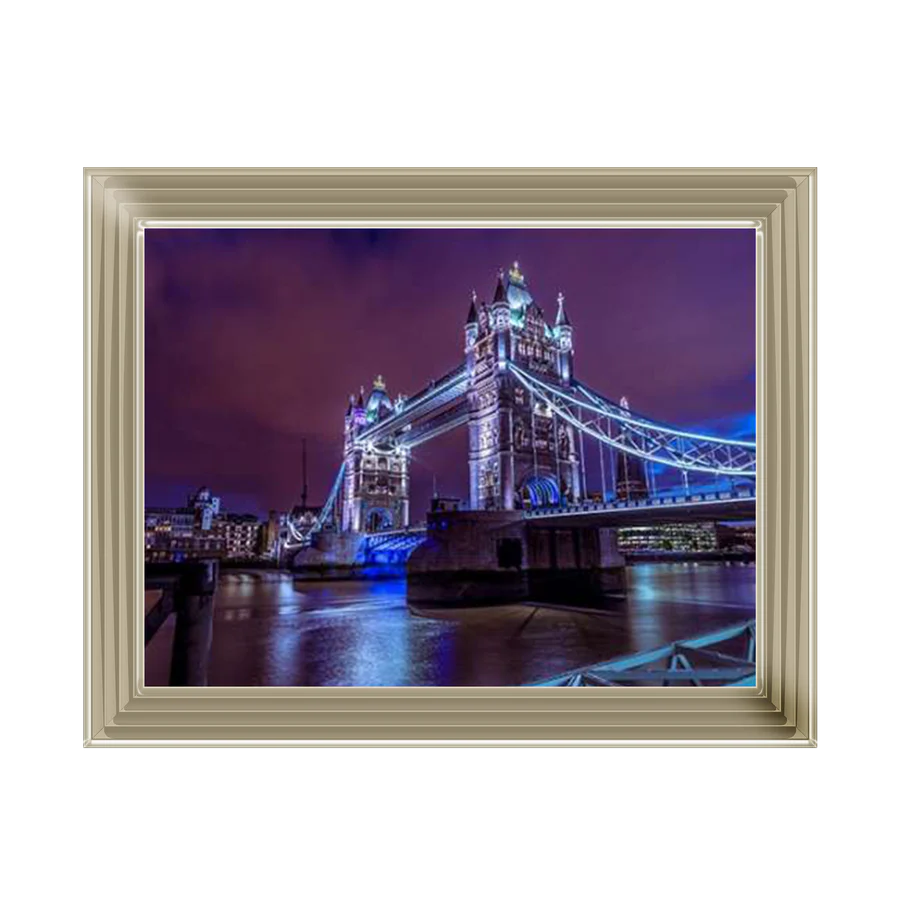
x: 521, y: 453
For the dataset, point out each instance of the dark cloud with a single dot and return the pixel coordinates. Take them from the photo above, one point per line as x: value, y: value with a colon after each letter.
x: 254, y: 338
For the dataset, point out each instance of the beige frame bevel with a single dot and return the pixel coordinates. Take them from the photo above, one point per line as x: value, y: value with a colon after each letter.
x: 120, y: 711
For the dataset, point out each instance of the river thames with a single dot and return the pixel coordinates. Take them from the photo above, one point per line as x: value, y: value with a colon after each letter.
x: 272, y: 630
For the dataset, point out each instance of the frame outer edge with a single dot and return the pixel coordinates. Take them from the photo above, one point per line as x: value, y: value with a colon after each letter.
x: 113, y: 427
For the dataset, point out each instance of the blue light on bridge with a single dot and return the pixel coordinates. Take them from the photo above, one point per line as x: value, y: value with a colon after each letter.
x: 542, y: 491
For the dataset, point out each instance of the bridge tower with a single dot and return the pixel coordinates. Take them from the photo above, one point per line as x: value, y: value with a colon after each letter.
x: 521, y: 454
x: 376, y: 476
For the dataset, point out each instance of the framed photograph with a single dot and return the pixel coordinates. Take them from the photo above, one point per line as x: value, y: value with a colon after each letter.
x: 450, y: 457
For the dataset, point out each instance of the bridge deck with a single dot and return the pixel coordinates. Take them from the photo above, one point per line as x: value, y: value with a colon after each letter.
x: 719, y: 506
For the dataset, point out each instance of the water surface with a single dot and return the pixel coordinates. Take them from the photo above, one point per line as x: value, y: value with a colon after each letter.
x: 272, y: 630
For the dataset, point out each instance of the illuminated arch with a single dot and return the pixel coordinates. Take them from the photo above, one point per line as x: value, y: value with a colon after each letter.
x: 378, y: 519
x: 540, y: 491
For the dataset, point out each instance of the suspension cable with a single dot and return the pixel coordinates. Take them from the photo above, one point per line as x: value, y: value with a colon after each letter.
x: 583, y: 492
x: 602, y: 448
x: 533, y: 437
x: 624, y: 441
x: 611, y: 410
x: 324, y: 512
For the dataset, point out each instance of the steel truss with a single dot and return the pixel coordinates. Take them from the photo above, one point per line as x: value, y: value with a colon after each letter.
x: 390, y: 546
x: 605, y: 421
x: 436, y: 409
x: 442, y: 406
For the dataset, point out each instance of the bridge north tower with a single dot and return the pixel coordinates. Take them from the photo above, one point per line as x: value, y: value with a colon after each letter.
x: 376, y: 474
x: 521, y: 453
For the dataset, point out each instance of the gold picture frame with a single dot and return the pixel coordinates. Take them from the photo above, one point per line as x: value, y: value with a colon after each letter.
x: 119, y: 710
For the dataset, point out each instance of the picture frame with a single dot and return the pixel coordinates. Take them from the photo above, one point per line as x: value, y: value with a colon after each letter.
x: 121, y: 203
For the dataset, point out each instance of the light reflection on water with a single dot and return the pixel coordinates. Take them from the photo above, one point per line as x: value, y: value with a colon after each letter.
x: 271, y: 630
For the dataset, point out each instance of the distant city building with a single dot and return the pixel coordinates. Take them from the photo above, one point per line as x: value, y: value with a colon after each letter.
x: 201, y: 530
x: 241, y: 535
x: 172, y: 534
x: 169, y: 522
x: 205, y: 506
x: 683, y: 537
x: 272, y: 534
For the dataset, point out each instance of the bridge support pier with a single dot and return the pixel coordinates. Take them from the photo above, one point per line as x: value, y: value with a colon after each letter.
x: 193, y: 640
x: 333, y: 554
x: 492, y: 556
x: 612, y: 563
x: 189, y: 592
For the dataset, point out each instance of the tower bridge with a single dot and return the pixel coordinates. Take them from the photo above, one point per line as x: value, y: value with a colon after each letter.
x: 529, y: 420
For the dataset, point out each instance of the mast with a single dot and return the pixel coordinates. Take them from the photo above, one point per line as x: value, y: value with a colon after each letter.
x: 303, y: 495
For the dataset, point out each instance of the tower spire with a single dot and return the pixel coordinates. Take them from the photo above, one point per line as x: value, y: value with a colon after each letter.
x: 472, y: 318
x: 500, y: 290
x: 561, y: 317
x: 563, y: 331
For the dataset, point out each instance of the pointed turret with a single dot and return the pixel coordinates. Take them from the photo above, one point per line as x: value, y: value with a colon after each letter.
x: 561, y: 316
x: 472, y: 318
x: 564, y: 332
x: 472, y: 328
x: 500, y: 290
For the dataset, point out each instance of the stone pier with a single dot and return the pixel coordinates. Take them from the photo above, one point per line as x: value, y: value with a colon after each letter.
x: 489, y: 557
x: 333, y: 555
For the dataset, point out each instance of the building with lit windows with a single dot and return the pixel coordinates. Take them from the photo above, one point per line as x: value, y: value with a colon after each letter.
x: 173, y: 534
x: 273, y: 533
x: 241, y: 536
x: 166, y: 522
x: 201, y: 530
x: 676, y: 537
x: 205, y: 506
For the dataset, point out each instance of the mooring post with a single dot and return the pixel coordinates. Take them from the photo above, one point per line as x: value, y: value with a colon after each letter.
x: 195, y: 594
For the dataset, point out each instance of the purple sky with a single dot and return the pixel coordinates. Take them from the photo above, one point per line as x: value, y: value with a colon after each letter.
x: 255, y: 339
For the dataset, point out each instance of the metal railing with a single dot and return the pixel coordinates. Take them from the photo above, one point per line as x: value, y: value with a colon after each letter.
x: 693, y: 498
x: 723, y: 658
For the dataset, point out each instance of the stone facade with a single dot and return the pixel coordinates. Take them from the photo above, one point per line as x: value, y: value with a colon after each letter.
x: 376, y: 477
x: 521, y: 454
x: 486, y: 557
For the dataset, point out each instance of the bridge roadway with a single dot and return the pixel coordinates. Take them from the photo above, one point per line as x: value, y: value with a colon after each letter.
x: 717, y: 506
x: 708, y: 506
